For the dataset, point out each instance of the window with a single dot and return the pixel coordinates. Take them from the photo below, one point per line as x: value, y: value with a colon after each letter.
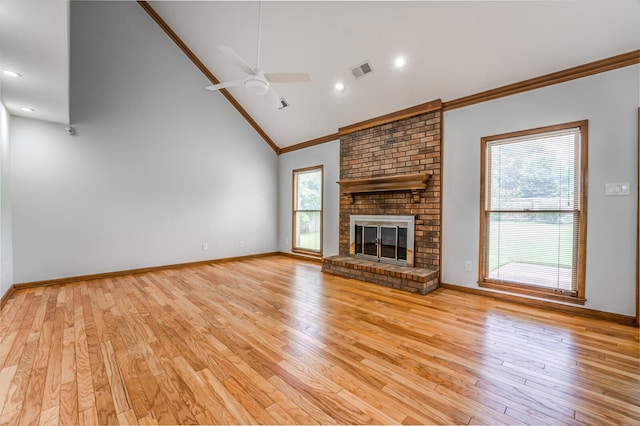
x: 533, y: 216
x: 307, y: 210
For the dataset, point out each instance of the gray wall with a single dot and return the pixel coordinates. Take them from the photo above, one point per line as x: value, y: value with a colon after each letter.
x: 328, y: 155
x: 609, y: 101
x: 6, y: 248
x: 158, y: 165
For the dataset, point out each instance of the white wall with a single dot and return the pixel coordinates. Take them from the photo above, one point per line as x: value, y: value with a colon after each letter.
x: 6, y: 249
x: 328, y: 155
x: 609, y: 101
x: 157, y: 167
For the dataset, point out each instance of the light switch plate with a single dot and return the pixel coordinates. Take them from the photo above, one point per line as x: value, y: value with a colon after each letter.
x: 616, y: 188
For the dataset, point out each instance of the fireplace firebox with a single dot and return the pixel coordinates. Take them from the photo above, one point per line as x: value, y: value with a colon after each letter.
x: 382, y: 238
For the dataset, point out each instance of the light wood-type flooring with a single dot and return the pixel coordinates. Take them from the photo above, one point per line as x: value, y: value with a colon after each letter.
x: 274, y: 341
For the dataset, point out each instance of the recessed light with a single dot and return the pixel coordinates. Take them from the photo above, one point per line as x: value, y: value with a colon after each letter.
x: 27, y: 109
x: 400, y: 62
x: 11, y: 73
x: 339, y: 86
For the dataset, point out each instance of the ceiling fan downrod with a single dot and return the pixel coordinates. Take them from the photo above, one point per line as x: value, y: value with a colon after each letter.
x: 259, y: 32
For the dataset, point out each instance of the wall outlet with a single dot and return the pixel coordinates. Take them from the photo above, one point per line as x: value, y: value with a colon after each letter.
x: 468, y: 265
x: 205, y: 246
x: 241, y: 244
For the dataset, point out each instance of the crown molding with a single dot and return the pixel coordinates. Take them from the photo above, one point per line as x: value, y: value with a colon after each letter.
x: 309, y: 143
x: 394, y: 116
x: 596, y: 67
x: 592, y: 68
x: 603, y: 65
x: 373, y: 122
x: 204, y: 70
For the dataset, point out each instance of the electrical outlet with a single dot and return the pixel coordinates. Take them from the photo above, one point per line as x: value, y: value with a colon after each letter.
x: 241, y: 244
x: 205, y: 246
x: 468, y: 265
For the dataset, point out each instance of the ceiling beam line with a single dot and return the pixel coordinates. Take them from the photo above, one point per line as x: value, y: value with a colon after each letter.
x: 207, y: 73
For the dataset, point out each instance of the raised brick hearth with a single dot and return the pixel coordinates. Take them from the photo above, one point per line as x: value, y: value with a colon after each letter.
x: 404, y: 147
x: 415, y: 280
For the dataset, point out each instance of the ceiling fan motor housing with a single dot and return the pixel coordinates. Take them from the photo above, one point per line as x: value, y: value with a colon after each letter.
x: 256, y: 84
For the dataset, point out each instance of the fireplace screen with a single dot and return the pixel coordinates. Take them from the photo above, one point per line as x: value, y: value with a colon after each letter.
x: 382, y: 242
x: 383, y: 238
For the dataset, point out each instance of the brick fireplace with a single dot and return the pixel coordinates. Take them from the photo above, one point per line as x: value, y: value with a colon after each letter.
x: 393, y: 169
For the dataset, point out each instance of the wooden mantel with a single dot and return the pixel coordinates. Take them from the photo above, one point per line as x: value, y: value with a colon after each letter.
x: 414, y: 182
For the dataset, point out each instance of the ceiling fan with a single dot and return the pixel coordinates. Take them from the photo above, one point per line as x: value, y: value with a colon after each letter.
x: 256, y: 81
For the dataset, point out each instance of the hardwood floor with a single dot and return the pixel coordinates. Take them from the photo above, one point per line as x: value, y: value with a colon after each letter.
x: 273, y: 340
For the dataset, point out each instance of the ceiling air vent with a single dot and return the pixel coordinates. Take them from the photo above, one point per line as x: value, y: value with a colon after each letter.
x: 283, y: 104
x: 362, y: 69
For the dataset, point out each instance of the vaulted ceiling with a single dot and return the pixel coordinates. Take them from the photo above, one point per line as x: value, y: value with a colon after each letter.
x: 452, y: 49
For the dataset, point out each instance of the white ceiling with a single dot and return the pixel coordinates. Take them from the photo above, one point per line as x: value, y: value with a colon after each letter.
x: 453, y: 49
x: 34, y: 41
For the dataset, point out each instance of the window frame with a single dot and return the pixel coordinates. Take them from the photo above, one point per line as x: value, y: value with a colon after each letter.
x: 294, y: 210
x: 532, y: 290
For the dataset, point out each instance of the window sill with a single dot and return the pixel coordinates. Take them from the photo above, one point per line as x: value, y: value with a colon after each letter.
x: 307, y: 252
x: 543, y: 293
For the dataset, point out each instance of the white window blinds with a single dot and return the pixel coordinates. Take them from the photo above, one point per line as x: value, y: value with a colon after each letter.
x: 532, y: 205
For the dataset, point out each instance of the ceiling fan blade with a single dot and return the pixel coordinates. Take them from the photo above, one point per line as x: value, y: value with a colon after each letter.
x: 237, y: 59
x: 224, y: 85
x: 274, y: 98
x: 287, y: 77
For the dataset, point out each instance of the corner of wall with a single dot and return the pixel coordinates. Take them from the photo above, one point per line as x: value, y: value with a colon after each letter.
x: 6, y: 252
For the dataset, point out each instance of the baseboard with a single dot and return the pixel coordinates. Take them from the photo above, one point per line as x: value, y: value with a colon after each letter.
x: 575, y: 310
x: 301, y: 256
x: 69, y: 280
x: 553, y: 306
x: 5, y: 297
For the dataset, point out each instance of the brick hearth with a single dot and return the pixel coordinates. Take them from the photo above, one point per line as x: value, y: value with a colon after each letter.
x: 415, y: 280
x: 408, y: 146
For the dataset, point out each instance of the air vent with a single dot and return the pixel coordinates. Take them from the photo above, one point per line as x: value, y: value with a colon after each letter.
x: 362, y: 69
x: 283, y: 104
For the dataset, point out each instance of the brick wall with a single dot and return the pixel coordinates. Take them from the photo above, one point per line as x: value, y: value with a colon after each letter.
x: 405, y: 146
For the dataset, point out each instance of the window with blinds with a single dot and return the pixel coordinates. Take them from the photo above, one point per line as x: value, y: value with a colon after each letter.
x: 533, y: 212
x: 307, y: 210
